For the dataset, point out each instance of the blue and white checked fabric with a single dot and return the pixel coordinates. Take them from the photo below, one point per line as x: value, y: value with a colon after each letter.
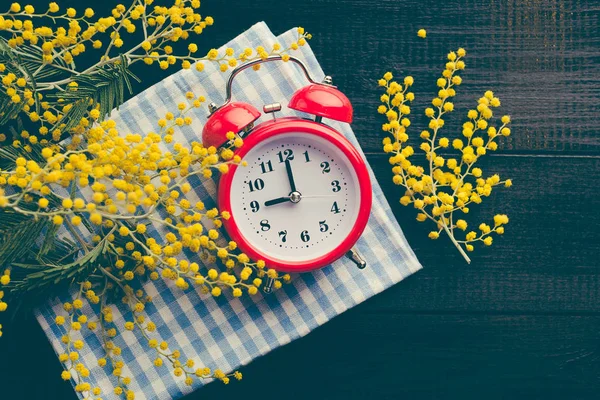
x: 230, y: 332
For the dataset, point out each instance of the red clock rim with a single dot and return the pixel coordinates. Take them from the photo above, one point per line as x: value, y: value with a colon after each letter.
x: 282, y: 126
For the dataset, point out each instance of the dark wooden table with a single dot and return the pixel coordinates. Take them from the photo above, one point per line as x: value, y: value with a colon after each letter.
x: 523, y: 319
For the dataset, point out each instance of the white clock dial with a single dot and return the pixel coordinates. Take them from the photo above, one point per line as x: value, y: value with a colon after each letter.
x: 299, y: 225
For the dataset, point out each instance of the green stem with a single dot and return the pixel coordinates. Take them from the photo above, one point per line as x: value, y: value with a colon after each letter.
x: 456, y: 244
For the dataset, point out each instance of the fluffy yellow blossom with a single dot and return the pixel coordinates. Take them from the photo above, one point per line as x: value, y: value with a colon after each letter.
x: 114, y: 183
x: 451, y: 184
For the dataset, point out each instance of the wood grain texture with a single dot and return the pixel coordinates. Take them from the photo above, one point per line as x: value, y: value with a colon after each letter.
x: 363, y: 355
x: 523, y: 320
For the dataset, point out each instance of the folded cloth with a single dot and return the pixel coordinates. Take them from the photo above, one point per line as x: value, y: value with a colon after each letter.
x: 227, y: 332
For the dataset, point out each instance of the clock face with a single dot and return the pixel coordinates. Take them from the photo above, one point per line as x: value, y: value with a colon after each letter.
x: 297, y: 199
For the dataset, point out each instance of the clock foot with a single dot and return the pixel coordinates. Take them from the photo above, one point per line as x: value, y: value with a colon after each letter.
x: 356, y: 258
x: 268, y: 286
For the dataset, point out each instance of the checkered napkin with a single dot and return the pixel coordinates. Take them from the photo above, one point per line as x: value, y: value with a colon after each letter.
x: 230, y: 332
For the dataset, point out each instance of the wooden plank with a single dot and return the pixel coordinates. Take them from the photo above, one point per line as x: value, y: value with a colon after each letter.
x: 366, y: 354
x: 545, y: 262
x: 29, y: 364
x: 454, y: 288
x: 540, y: 57
x: 391, y: 356
x: 549, y: 195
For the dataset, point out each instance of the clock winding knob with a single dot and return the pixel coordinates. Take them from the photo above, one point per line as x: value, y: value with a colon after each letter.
x: 271, y: 108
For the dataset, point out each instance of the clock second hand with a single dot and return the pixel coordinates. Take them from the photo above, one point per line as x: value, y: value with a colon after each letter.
x: 317, y: 196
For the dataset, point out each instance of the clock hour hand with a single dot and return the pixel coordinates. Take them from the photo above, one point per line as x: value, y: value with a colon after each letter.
x: 288, y: 169
x: 278, y: 200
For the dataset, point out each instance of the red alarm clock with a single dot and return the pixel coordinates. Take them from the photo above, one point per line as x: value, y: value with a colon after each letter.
x: 304, y: 198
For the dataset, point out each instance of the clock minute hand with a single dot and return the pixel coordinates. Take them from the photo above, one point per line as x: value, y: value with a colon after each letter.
x: 278, y: 200
x: 288, y: 169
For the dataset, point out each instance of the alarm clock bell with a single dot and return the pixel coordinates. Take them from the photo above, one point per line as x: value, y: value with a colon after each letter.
x: 321, y: 99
